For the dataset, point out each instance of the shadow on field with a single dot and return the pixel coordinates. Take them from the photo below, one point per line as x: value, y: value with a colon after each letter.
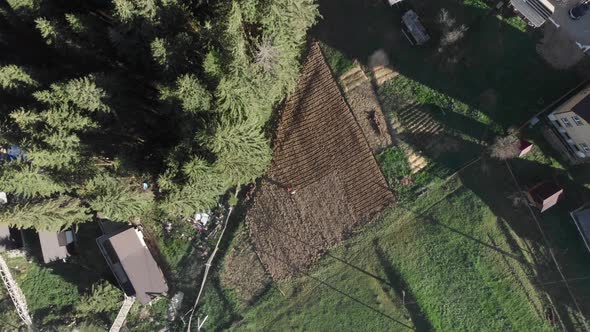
x: 344, y: 293
x: 447, y: 152
x: 493, y: 183
x: 401, y: 290
x: 494, y: 57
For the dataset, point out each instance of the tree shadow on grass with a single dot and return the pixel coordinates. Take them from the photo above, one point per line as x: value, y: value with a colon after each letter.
x: 483, y: 61
x: 496, y: 188
x: 401, y: 290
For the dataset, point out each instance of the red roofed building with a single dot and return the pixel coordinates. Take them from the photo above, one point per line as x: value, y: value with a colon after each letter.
x: 544, y: 195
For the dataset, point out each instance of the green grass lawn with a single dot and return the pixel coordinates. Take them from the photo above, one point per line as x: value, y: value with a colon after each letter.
x: 448, y: 255
x: 453, y: 255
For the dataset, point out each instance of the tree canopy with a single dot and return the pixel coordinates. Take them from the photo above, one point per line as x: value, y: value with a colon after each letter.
x: 101, y: 97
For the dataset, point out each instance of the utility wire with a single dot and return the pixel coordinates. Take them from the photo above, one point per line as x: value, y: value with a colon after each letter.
x: 546, y: 240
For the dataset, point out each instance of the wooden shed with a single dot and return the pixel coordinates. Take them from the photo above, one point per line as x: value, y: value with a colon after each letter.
x: 544, y: 195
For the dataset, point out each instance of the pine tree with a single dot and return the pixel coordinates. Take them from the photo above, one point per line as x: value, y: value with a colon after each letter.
x: 160, y: 54
x: 15, y: 79
x: 50, y: 215
x: 192, y: 94
x: 242, y: 151
x: 25, y: 8
x: 103, y: 298
x: 200, y: 194
x: 114, y: 198
x: 49, y: 31
x: 28, y: 181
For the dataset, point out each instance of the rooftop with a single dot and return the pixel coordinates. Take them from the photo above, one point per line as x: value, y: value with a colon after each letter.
x: 140, y: 270
x: 582, y: 220
x: 53, y: 246
x: 546, y: 194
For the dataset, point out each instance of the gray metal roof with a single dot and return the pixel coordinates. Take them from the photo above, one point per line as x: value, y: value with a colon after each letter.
x: 582, y: 220
x: 533, y: 10
x: 51, y: 248
x: 140, y: 267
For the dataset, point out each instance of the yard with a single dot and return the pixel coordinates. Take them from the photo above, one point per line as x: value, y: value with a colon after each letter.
x: 79, y: 293
x: 458, y: 253
x: 445, y: 265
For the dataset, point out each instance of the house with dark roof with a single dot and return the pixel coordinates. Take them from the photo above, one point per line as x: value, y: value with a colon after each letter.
x: 133, y: 265
x: 572, y: 122
x: 56, y: 246
x: 581, y: 218
x: 544, y: 195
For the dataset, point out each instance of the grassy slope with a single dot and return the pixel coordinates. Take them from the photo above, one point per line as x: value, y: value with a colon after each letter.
x: 443, y: 260
x: 457, y: 262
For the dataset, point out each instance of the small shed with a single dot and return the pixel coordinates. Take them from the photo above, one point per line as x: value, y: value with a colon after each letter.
x: 133, y: 265
x: 544, y: 195
x: 582, y: 221
x: 525, y: 147
x: 54, y: 246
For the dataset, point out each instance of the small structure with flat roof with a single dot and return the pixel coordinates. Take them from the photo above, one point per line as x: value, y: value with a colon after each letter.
x: 582, y: 221
x: 54, y: 246
x: 133, y: 265
x: 544, y: 195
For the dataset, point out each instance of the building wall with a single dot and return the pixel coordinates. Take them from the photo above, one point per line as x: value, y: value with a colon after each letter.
x: 573, y: 128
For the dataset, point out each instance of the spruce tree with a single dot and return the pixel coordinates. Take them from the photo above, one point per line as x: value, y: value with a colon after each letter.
x: 115, y: 198
x: 15, y: 79
x: 51, y: 215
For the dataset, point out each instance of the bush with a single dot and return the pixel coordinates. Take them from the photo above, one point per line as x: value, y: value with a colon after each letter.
x: 397, y: 172
x: 104, y: 298
x: 507, y: 147
x: 48, y: 293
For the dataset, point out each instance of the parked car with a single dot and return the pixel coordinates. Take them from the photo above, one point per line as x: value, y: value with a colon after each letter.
x: 580, y: 10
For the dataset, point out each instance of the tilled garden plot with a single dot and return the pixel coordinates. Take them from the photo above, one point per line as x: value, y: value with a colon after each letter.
x: 323, y: 181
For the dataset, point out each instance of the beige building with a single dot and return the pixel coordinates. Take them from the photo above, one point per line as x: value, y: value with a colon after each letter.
x: 572, y: 121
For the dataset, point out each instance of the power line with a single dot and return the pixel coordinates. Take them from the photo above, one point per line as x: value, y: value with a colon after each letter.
x: 546, y: 241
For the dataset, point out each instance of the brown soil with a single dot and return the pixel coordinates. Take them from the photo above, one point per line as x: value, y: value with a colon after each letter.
x: 367, y: 110
x: 242, y: 270
x: 323, y: 181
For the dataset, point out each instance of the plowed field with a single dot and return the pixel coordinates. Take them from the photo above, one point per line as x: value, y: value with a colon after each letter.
x: 323, y: 181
